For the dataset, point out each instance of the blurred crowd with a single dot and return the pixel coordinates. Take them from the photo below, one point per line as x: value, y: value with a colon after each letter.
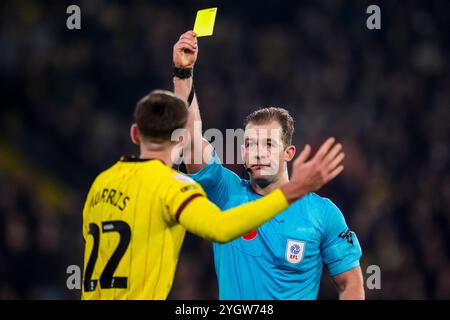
x: 67, y: 99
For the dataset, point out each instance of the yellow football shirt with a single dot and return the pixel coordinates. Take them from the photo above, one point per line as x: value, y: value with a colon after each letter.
x: 131, y: 231
x: 134, y: 223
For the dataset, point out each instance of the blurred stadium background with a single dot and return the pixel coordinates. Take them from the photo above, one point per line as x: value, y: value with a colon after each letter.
x: 67, y: 98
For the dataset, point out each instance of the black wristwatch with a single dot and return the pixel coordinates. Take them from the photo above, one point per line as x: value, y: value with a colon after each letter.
x: 183, y: 73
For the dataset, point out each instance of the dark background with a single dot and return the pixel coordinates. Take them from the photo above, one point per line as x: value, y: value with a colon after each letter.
x: 67, y: 99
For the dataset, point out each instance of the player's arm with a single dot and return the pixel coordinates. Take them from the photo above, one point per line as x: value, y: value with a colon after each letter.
x: 203, y: 218
x: 350, y: 285
x: 199, y: 151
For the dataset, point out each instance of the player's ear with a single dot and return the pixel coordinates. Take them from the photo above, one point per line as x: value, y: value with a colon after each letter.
x: 134, y: 134
x: 289, y: 153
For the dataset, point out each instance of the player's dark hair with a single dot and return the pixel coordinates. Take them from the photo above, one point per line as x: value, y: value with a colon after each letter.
x: 159, y: 114
x: 281, y: 115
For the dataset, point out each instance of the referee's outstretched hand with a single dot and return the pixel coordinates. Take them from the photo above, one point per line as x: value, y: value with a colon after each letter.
x: 185, y: 50
x: 310, y: 175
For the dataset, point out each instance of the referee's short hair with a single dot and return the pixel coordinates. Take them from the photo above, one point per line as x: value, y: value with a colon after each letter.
x: 281, y: 115
x: 159, y: 114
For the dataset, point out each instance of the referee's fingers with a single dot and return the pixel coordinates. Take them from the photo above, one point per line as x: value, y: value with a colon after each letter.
x: 335, y: 173
x: 303, y: 156
x: 190, y: 42
x: 185, y: 33
x: 189, y: 37
x: 189, y: 32
x: 323, y: 150
x: 332, y: 154
x: 185, y: 45
x: 337, y: 161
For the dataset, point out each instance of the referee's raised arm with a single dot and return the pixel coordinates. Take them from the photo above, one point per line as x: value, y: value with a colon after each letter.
x: 198, y: 152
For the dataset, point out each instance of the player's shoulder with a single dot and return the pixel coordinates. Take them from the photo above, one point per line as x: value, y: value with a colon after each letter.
x: 148, y: 167
x: 179, y: 182
x: 106, y: 174
x: 167, y: 176
x: 180, y: 177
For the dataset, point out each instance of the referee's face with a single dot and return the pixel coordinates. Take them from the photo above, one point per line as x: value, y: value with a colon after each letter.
x: 263, y: 150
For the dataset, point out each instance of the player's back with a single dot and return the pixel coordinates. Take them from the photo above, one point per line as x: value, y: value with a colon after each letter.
x: 132, y: 242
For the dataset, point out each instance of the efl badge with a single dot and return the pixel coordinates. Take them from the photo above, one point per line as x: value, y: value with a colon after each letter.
x: 294, y: 251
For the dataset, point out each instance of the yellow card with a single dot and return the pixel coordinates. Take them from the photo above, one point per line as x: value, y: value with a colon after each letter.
x: 204, y: 22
